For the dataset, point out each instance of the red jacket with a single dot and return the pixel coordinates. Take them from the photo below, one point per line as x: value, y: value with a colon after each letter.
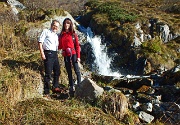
x: 66, y: 41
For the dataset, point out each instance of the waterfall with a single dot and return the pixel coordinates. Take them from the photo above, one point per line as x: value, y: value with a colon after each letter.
x: 99, y: 60
x: 102, y: 61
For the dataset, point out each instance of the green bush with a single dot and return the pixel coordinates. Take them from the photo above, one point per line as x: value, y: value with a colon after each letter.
x: 152, y: 46
x: 116, y: 13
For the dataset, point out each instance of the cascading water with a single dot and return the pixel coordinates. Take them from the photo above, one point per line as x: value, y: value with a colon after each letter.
x: 102, y: 61
x: 98, y: 59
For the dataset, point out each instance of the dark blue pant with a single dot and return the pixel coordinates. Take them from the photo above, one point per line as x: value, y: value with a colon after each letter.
x: 69, y: 61
x: 51, y: 63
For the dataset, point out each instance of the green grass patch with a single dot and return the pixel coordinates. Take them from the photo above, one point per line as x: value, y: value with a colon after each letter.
x: 153, y: 46
x: 114, y: 10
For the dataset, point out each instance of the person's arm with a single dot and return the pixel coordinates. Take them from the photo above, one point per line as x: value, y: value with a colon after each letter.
x: 40, y: 43
x: 60, y: 43
x: 41, y: 51
x: 77, y: 46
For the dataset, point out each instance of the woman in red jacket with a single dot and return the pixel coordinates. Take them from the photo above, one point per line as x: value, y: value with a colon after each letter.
x: 68, y: 42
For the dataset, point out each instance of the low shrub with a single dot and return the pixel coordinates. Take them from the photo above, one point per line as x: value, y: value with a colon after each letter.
x: 152, y: 46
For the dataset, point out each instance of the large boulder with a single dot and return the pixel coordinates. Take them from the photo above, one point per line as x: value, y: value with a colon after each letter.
x: 88, y: 89
x: 115, y: 103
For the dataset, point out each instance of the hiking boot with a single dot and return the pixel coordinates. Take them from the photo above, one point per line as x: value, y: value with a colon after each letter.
x: 77, y: 86
x: 71, y: 91
x: 57, y: 90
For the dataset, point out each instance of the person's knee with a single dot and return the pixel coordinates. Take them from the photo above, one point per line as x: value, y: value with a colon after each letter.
x: 47, y: 76
x: 77, y: 72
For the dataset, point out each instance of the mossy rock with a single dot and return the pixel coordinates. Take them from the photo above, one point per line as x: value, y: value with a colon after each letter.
x: 114, y: 103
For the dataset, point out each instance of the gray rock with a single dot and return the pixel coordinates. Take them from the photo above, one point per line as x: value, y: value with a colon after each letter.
x: 145, y: 117
x: 88, y: 89
x: 135, y: 106
x: 147, y: 107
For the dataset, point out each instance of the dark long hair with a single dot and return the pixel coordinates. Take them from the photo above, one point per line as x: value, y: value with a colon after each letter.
x: 71, y: 28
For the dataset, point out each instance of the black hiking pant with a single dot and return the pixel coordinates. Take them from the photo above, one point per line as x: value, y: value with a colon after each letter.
x: 51, y: 63
x: 69, y: 61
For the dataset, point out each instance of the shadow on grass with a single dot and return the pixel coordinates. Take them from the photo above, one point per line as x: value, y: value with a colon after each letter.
x: 60, y: 96
x: 12, y: 64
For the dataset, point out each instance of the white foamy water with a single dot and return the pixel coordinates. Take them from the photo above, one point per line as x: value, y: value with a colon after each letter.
x: 101, y: 58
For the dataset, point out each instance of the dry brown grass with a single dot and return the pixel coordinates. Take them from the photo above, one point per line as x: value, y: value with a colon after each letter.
x: 39, y: 111
x: 19, y: 80
x: 72, y: 6
x: 21, y: 83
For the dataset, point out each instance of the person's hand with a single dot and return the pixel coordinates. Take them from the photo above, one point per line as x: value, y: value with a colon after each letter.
x: 78, y: 59
x: 43, y: 56
x: 79, y: 63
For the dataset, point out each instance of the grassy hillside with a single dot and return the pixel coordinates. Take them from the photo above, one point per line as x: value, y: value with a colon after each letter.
x: 21, y: 71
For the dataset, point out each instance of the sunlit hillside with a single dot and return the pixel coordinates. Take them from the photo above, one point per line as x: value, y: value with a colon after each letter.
x: 21, y: 67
